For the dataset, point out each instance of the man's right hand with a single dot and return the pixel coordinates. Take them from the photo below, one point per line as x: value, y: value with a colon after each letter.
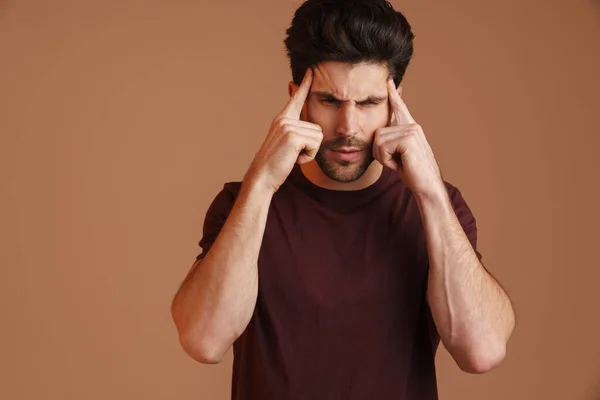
x: 288, y: 137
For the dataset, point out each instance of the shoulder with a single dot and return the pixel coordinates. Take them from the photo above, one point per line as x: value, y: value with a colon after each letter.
x: 461, y: 207
x: 452, y: 189
x: 455, y: 195
x: 223, y: 200
x: 232, y: 189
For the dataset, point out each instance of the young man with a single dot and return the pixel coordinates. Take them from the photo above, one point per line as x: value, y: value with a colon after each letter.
x: 343, y: 257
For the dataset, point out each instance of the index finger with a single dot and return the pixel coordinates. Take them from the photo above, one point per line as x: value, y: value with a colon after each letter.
x: 399, y: 107
x: 294, y: 106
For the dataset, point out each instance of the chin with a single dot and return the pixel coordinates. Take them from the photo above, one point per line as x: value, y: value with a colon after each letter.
x: 343, y: 171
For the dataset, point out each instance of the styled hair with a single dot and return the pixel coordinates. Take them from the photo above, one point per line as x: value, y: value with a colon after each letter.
x: 351, y: 31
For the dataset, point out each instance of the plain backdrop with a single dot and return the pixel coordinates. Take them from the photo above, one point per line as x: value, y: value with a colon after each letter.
x: 120, y: 121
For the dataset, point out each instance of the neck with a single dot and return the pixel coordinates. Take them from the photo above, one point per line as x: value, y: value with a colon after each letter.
x: 313, y: 173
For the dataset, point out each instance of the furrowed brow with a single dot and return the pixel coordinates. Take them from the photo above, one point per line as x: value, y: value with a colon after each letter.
x: 329, y: 95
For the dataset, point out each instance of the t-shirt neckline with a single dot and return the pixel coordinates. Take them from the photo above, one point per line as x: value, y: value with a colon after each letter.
x: 341, y: 200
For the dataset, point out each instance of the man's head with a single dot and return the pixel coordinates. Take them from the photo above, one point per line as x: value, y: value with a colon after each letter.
x: 352, y: 47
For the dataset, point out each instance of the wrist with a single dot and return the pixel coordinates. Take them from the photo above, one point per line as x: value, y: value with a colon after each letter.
x: 257, y: 184
x: 436, y: 195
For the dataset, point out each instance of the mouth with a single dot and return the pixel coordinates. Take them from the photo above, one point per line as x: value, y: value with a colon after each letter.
x: 346, y: 154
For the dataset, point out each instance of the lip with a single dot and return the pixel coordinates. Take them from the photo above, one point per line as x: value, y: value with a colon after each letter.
x: 346, y: 154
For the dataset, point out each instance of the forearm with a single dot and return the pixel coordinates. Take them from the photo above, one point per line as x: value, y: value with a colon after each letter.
x: 472, y: 313
x: 216, y: 300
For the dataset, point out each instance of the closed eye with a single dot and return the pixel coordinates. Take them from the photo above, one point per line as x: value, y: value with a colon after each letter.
x: 368, y: 103
x: 361, y: 103
x: 325, y: 98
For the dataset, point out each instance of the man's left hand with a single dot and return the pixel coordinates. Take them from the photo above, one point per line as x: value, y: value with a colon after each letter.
x: 402, y: 146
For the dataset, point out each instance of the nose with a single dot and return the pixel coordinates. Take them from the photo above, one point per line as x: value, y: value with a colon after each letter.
x: 347, y: 120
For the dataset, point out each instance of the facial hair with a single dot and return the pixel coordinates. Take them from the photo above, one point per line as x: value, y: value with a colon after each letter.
x: 342, y: 170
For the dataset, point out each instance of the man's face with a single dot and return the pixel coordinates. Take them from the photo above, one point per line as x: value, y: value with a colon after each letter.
x: 349, y: 103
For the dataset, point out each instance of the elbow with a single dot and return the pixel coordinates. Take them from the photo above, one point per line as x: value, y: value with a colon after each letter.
x: 200, y: 350
x: 195, y: 343
x: 483, y: 361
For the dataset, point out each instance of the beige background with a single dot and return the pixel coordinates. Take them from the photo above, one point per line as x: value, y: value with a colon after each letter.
x: 120, y: 122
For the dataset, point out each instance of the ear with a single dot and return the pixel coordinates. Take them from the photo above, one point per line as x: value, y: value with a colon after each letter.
x: 399, y: 88
x: 292, y: 87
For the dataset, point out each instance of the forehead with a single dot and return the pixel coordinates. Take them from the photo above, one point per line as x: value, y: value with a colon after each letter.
x: 350, y: 81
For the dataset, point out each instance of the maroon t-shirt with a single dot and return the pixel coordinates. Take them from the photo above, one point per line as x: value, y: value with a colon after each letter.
x: 341, y: 311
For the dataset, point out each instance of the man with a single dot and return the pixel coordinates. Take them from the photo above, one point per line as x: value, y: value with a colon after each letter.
x: 342, y: 258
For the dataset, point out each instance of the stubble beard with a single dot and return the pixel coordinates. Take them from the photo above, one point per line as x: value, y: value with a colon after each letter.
x: 342, y: 170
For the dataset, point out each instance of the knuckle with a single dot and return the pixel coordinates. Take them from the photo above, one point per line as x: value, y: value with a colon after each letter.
x: 290, y: 138
x: 277, y: 122
x: 282, y: 123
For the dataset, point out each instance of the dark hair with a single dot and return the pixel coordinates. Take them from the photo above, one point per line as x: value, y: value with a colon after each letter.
x: 350, y: 31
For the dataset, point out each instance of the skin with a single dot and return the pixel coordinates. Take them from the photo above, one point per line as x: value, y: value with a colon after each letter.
x: 349, y: 103
x: 472, y: 312
x: 214, y: 304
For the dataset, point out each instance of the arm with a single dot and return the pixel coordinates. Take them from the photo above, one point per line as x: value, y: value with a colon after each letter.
x: 216, y: 300
x: 471, y: 311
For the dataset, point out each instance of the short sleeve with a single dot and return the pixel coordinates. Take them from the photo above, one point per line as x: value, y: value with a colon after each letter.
x: 216, y: 215
x: 465, y: 216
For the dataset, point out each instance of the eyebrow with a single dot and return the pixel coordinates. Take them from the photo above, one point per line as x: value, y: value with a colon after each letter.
x: 328, y: 95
